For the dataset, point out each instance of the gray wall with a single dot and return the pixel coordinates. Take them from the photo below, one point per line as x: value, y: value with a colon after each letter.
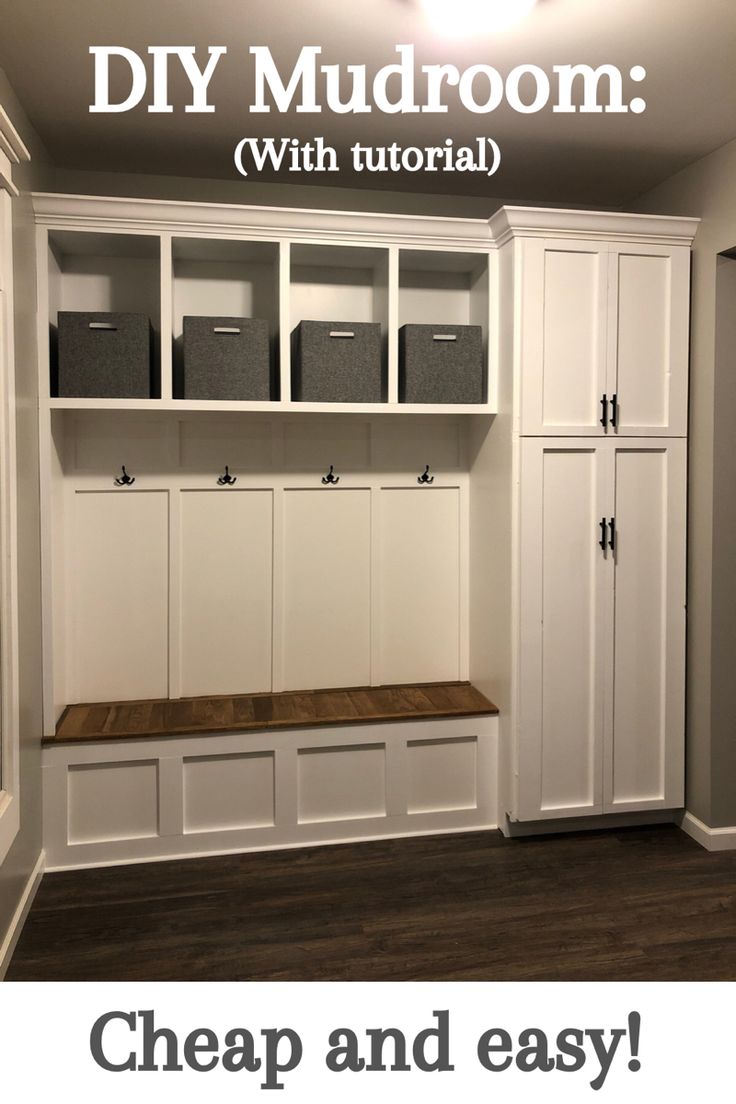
x: 708, y: 189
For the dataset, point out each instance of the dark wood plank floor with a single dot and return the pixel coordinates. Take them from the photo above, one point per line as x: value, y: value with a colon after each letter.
x: 246, y: 712
x: 635, y: 904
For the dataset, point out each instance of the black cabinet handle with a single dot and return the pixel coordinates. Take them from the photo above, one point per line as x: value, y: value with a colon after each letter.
x: 614, y: 412
x: 612, y: 537
x: 604, y: 408
x: 604, y: 527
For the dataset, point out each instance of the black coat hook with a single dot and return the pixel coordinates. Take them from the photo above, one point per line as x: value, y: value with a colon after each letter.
x: 331, y: 477
x: 227, y: 479
x: 124, y: 480
x: 425, y: 477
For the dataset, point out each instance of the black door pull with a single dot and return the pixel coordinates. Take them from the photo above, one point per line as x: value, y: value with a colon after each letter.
x: 614, y: 412
x: 612, y: 537
x: 604, y: 408
x: 604, y: 527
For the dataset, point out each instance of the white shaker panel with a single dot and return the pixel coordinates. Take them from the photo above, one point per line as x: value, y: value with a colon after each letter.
x: 119, y: 570
x: 226, y: 573
x: 649, y: 338
x: 326, y: 605
x: 565, y: 635
x: 563, y: 369
x: 419, y: 584
x: 645, y: 760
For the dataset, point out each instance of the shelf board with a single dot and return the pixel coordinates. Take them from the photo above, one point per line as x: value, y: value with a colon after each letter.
x: 276, y: 407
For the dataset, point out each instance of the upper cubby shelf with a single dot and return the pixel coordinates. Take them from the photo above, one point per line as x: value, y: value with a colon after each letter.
x: 171, y: 271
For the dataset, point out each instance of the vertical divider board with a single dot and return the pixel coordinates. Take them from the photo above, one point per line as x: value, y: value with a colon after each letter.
x: 175, y: 595
x: 278, y: 627
x: 392, y: 313
x: 284, y: 315
x: 485, y: 312
x: 376, y: 593
x: 167, y: 317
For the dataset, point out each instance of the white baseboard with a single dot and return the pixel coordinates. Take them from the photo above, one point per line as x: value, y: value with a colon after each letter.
x: 19, y: 918
x: 712, y: 839
x: 293, y: 845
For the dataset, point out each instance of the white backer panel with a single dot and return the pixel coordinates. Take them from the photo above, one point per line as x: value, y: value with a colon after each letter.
x: 120, y: 585
x: 226, y: 578
x: 419, y: 575
x: 326, y: 615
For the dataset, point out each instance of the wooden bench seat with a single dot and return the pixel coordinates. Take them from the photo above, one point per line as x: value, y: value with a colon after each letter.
x: 246, y: 712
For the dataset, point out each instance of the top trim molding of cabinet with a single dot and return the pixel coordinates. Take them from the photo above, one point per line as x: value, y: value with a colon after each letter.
x: 105, y: 213
x: 545, y: 222
x: 164, y: 216
x: 12, y: 151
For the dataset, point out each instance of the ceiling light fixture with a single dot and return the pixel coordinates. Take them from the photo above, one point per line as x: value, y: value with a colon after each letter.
x: 457, y: 18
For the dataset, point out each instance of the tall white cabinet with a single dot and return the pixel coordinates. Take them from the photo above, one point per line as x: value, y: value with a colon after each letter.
x: 596, y: 355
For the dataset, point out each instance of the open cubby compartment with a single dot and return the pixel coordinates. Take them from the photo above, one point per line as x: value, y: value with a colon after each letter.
x: 90, y: 271
x: 341, y: 283
x: 448, y: 287
x: 220, y: 277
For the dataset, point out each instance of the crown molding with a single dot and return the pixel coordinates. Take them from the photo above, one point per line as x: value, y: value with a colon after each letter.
x: 114, y: 213
x: 546, y: 222
x: 105, y: 213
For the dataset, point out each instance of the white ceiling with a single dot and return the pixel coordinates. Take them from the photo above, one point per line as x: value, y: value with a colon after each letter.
x: 686, y: 46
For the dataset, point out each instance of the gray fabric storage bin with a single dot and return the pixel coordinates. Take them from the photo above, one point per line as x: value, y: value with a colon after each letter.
x: 440, y: 364
x: 226, y: 358
x: 336, y: 362
x: 103, y: 355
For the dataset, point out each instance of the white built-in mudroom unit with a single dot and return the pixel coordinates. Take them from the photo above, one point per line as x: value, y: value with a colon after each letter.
x: 286, y: 622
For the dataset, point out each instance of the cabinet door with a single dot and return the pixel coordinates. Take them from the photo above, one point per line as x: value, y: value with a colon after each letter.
x: 563, y: 336
x: 566, y: 590
x: 648, y: 338
x: 644, y: 747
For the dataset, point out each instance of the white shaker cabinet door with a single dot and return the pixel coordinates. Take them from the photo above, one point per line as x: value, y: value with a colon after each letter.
x: 648, y: 339
x: 644, y: 760
x: 566, y: 596
x: 563, y: 336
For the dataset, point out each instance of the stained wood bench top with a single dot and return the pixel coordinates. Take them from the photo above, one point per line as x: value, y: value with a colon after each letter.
x: 253, y: 712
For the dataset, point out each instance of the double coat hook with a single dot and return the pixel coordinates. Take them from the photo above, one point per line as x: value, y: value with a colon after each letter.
x: 331, y: 477
x: 124, y: 480
x: 425, y: 477
x: 227, y: 479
